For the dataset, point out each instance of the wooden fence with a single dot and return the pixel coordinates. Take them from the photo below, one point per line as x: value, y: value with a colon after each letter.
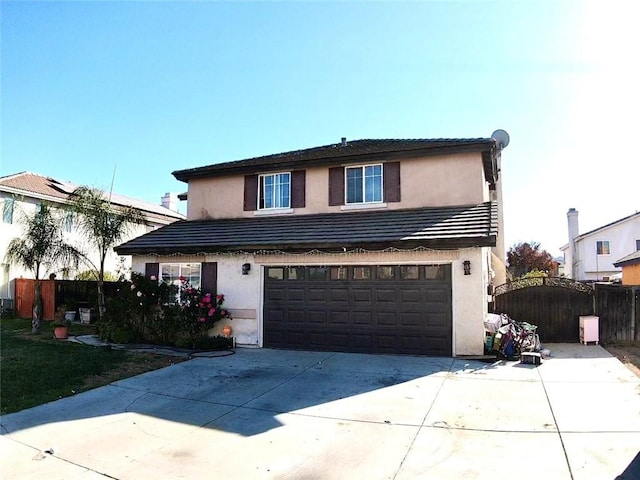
x: 79, y: 293
x: 25, y: 292
x: 555, y: 305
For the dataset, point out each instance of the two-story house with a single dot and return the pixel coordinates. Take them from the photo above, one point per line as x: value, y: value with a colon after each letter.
x: 387, y: 246
x: 21, y: 193
x: 592, y: 256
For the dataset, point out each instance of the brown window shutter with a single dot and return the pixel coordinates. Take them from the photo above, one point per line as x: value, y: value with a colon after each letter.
x: 250, y: 192
x: 298, y: 189
x: 209, y: 277
x: 151, y: 269
x: 391, y: 182
x: 336, y: 186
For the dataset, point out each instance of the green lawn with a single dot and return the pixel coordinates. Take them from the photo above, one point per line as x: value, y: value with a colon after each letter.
x: 36, y: 369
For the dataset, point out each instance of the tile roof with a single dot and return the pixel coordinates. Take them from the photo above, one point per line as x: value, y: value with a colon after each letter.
x: 442, y: 227
x: 26, y: 183
x: 374, y: 149
x: 630, y: 259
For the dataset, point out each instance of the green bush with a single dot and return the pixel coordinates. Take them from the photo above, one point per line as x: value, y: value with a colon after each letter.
x: 146, y: 311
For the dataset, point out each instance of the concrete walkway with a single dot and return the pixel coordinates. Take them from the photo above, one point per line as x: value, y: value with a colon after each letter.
x: 312, y: 415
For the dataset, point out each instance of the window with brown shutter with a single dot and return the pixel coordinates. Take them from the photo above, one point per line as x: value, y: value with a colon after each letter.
x: 209, y: 277
x: 336, y: 186
x: 298, y: 189
x: 250, y: 193
x: 391, y: 172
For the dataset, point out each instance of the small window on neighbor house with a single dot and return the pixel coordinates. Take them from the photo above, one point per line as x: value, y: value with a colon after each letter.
x: 603, y: 247
x: 68, y: 222
x: 637, y: 245
x: 7, y: 211
x: 364, y: 184
x: 274, y: 191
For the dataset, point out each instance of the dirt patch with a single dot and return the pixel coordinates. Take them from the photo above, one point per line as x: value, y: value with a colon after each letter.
x: 627, y: 353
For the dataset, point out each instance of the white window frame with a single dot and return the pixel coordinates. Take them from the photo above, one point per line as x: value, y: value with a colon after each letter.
x: 602, y: 243
x: 363, y: 169
x: 279, y: 197
x: 177, y: 270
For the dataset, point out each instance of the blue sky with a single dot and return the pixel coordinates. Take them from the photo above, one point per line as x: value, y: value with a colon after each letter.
x: 146, y: 88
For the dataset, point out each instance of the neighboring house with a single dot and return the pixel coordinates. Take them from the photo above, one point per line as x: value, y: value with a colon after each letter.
x: 592, y: 256
x: 21, y: 193
x: 630, y: 267
x: 386, y: 246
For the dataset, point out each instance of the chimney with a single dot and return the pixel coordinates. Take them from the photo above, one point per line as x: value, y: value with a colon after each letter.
x: 573, y: 260
x: 344, y: 141
x: 572, y: 219
x: 170, y: 201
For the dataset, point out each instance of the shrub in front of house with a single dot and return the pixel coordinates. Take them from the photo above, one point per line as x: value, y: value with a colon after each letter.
x: 146, y: 311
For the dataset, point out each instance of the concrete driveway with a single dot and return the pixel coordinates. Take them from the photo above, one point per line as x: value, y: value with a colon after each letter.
x: 314, y: 415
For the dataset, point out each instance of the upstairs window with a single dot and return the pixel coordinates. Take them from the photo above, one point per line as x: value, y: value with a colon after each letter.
x: 637, y: 245
x: 7, y: 211
x: 603, y: 247
x: 364, y: 184
x: 274, y: 191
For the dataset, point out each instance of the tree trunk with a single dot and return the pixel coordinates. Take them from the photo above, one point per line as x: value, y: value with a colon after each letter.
x: 102, y: 307
x: 37, y: 308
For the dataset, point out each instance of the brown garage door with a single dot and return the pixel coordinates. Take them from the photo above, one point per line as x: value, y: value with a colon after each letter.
x: 371, y: 309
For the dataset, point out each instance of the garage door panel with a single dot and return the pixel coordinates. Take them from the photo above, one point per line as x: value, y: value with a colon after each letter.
x: 317, y: 294
x: 339, y: 318
x: 361, y: 295
x: 391, y: 313
x: 317, y: 317
x: 339, y: 295
x: 295, y: 315
x: 362, y: 318
x: 296, y: 294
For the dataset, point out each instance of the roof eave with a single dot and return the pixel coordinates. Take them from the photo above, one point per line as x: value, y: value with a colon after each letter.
x: 268, y: 163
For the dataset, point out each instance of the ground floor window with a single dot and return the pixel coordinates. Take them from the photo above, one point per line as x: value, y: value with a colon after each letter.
x: 173, y: 273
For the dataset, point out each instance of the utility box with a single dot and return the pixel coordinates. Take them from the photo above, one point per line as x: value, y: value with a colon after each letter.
x: 589, y: 326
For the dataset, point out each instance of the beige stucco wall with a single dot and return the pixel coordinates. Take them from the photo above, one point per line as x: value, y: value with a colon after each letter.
x: 427, y: 181
x: 244, y: 293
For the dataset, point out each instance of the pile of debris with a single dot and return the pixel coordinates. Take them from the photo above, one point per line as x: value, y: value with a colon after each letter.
x: 510, y: 339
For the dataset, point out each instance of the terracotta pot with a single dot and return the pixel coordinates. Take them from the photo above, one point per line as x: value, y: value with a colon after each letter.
x: 61, y: 332
x: 226, y: 330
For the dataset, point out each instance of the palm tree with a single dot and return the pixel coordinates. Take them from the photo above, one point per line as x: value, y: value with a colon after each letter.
x: 40, y: 249
x: 104, y: 226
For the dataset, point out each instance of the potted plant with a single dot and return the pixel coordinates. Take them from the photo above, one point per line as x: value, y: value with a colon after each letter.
x: 60, y: 323
x: 70, y: 311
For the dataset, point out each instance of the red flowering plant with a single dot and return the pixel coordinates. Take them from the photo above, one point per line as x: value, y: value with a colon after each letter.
x: 200, y: 311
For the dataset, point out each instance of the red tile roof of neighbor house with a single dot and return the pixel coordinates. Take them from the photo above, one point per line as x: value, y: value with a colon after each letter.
x: 346, y: 151
x: 432, y: 227
x: 47, y: 188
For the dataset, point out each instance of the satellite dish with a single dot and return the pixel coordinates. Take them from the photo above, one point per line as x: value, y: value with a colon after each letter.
x: 501, y: 137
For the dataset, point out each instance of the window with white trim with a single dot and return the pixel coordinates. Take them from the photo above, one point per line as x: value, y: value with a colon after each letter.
x: 363, y: 184
x: 274, y: 191
x: 172, y: 273
x: 67, y: 224
x: 603, y: 247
